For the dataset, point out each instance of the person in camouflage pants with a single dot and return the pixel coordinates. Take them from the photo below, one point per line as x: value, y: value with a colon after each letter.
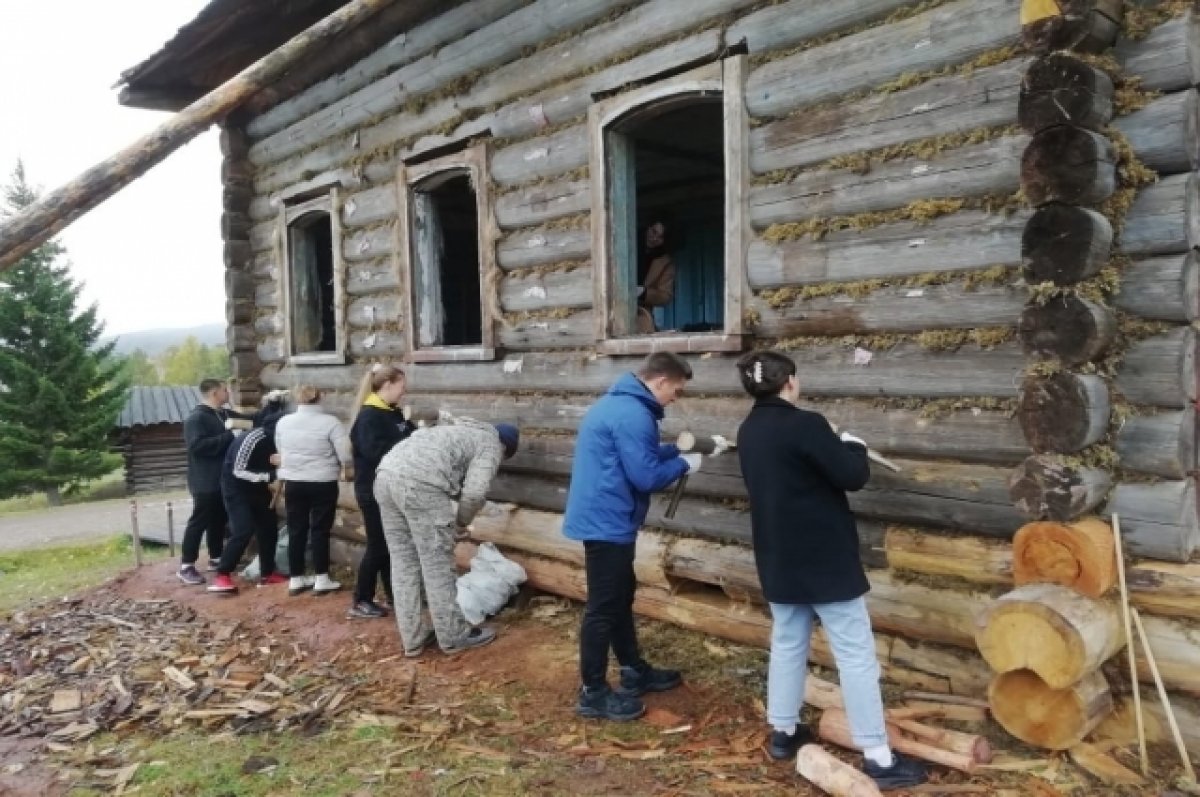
x: 417, y: 486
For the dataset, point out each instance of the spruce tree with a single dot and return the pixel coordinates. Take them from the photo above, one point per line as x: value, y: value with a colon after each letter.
x: 60, y: 389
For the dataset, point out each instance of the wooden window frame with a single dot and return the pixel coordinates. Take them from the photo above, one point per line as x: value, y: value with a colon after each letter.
x: 726, y: 77
x: 331, y: 204
x: 473, y: 160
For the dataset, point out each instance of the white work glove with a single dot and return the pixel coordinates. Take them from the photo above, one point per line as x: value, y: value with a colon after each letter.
x: 641, y: 290
x: 230, y: 424
x: 721, y: 445
x: 693, y: 461
x: 275, y: 395
x: 445, y: 417
x: 849, y: 438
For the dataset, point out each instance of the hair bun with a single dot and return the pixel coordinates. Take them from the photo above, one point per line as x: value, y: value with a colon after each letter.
x: 376, y: 368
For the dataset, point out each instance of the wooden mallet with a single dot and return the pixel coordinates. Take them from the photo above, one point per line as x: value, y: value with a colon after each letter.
x: 873, y: 455
x: 688, y: 442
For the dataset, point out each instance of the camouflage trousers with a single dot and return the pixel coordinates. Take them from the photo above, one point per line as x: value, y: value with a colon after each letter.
x: 418, y: 525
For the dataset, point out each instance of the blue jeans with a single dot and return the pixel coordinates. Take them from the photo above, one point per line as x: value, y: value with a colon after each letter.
x: 848, y: 628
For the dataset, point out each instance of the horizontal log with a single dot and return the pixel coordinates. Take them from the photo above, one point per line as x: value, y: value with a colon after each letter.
x: 371, y: 206
x: 963, y: 241
x: 532, y: 292
x: 1158, y: 521
x: 988, y: 168
x: 271, y: 350
x: 370, y: 243
x: 944, y: 106
x: 544, y: 156
x: 1069, y: 328
x: 1168, y: 59
x: 1161, y: 445
x: 1064, y: 245
x: 536, y: 204
x: 538, y: 247
x: 1160, y: 371
x: 1042, y: 488
x: 1064, y: 412
x: 1069, y: 165
x: 891, y: 310
x: 1060, y: 89
x: 378, y: 343
x: 374, y: 311
x: 266, y: 295
x: 1043, y: 716
x: 575, y: 331
x: 1088, y: 26
x: 266, y: 325
x: 1165, y: 135
x: 784, y: 24
x: 952, y: 34
x: 372, y: 277
x: 1164, y: 218
x: 1161, y: 288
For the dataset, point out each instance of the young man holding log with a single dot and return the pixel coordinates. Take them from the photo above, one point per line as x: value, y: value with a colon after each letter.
x: 619, y: 462
x: 797, y: 472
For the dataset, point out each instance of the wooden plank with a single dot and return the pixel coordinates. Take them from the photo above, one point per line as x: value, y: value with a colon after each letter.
x: 533, y: 292
x: 785, y: 24
x: 540, y: 247
x: 1158, y: 521
x: 1165, y: 135
x: 574, y: 331
x: 992, y: 167
x: 1160, y: 371
x: 943, y: 106
x: 1162, y: 288
x: 1164, y: 218
x: 537, y: 204
x: 1166, y: 59
x: 1161, y: 445
x: 963, y: 241
x: 544, y: 156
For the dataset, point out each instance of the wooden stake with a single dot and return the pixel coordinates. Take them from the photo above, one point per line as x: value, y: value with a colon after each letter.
x: 171, y: 529
x: 1133, y: 676
x: 35, y: 225
x: 1162, y: 695
x: 133, y: 532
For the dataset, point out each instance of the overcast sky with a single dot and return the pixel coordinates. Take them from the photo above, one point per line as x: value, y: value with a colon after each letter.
x: 151, y: 254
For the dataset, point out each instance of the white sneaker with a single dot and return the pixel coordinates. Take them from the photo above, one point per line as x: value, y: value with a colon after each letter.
x: 298, y: 584
x: 324, y: 584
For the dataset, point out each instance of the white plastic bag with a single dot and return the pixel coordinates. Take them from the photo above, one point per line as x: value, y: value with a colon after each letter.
x: 491, y: 581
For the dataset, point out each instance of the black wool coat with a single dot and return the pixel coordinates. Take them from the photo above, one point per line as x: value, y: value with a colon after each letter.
x: 797, y: 472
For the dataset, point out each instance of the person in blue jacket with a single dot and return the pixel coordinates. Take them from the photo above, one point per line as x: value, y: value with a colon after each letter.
x: 619, y: 462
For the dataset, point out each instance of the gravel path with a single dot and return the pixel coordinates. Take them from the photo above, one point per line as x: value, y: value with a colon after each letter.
x: 82, y: 522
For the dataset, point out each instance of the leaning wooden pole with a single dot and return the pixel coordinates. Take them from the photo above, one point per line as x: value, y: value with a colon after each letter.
x: 28, y: 230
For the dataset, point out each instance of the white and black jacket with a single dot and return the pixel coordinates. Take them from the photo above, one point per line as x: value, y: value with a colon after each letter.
x: 248, y: 460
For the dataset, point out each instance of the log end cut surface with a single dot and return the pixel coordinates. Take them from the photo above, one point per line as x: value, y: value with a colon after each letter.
x: 1063, y: 412
x: 1040, y: 715
x: 1064, y: 244
x: 1079, y: 555
x: 1068, y: 164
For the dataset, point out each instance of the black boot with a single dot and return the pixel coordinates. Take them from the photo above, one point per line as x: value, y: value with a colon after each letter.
x: 783, y: 746
x: 902, y: 774
x: 637, y: 681
x: 600, y: 702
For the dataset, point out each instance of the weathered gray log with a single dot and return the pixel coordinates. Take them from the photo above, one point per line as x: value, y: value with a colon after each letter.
x: 1160, y: 371
x: 1069, y: 328
x: 520, y: 292
x: 574, y: 331
x: 272, y: 350
x: 239, y: 311
x: 537, y: 204
x: 262, y: 235
x: 1088, y: 26
x: 1161, y: 445
x: 374, y: 205
x: 1064, y: 244
x: 1164, y: 218
x: 240, y: 337
x: 784, y: 24
x: 541, y: 157
x: 372, y: 277
x: 891, y: 310
x: 374, y: 311
x: 449, y: 25
x: 1162, y: 288
x: 266, y: 295
x: 943, y: 106
x: 1069, y: 165
x: 963, y: 241
x: 952, y: 34
x: 1158, y: 521
x: 52, y: 213
x: 267, y: 325
x: 1042, y: 488
x: 1165, y: 135
x: 1063, y: 413
x: 539, y: 247
x: 369, y: 243
x: 1059, y: 89
x: 989, y: 168
x: 1166, y: 60
x: 378, y: 343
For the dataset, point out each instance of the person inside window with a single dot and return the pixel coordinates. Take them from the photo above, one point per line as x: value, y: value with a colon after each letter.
x: 656, y: 278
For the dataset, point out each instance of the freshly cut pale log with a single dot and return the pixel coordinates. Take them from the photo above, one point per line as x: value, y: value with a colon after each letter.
x: 730, y: 567
x: 834, y: 726
x: 1164, y: 218
x: 784, y: 24
x: 1103, y: 766
x: 1042, y: 488
x: 533, y: 292
x: 1045, y: 716
x: 1069, y: 165
x: 574, y: 331
x: 951, y: 34
x: 1059, y: 89
x: 1161, y: 445
x: 1158, y: 521
x: 1168, y: 59
x: 542, y: 247
x: 1089, y: 26
x: 372, y: 277
x: 1057, y: 633
x: 833, y: 776
x: 1171, y: 590
x: 926, y: 613
x: 975, y: 559
x: 1063, y: 412
x: 988, y: 168
x: 1079, y: 555
x: 961, y: 242
x: 892, y: 310
x: 1160, y: 371
x: 537, y: 204
x: 1065, y: 244
x: 943, y: 106
x: 1071, y: 329
x: 1162, y: 288
x: 1165, y: 135
x: 969, y: 744
x: 1120, y: 726
x: 541, y: 157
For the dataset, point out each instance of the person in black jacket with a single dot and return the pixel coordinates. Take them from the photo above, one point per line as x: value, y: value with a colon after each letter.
x: 206, y: 437
x: 378, y: 427
x: 797, y: 472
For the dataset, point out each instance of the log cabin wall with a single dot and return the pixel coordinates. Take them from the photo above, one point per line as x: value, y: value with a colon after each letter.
x: 903, y: 249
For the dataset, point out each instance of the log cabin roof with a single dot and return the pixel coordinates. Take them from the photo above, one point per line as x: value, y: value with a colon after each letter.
x: 149, y: 406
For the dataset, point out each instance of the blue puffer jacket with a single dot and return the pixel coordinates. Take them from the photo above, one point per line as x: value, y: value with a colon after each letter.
x: 619, y: 462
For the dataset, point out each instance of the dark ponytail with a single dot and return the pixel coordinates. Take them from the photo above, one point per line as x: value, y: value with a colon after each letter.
x: 765, y: 373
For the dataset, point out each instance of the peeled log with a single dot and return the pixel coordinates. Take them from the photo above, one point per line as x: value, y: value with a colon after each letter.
x: 1070, y: 165
x: 1079, y: 555
x: 1061, y: 90
x: 834, y: 727
x: 1044, y: 489
x: 1070, y: 328
x: 1049, y: 629
x: 831, y: 775
x: 1089, y: 26
x: 1043, y: 716
x: 1064, y: 244
x: 1063, y: 412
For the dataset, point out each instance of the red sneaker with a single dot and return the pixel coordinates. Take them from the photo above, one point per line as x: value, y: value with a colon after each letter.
x: 222, y: 583
x: 274, y: 578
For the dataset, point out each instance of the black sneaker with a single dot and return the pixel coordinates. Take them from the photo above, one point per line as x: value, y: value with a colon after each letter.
x: 781, y: 746
x: 365, y: 610
x: 475, y: 638
x: 189, y: 575
x: 602, y: 703
x: 904, y: 773
x: 637, y: 681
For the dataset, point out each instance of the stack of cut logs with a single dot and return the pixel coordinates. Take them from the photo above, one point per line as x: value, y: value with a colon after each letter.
x: 1047, y: 639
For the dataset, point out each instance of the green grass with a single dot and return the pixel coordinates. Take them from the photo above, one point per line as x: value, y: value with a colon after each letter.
x: 33, y: 576
x: 103, y: 489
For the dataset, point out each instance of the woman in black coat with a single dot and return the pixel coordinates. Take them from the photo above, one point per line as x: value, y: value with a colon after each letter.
x: 797, y: 472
